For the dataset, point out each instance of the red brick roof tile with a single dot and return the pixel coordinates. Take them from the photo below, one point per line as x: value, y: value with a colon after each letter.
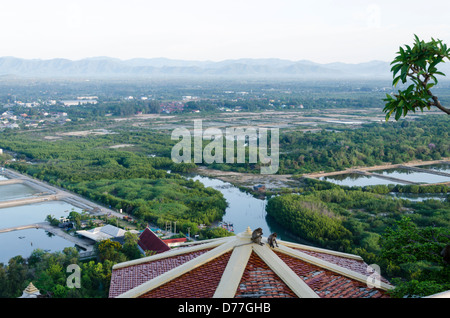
x: 126, y: 278
x: 328, y: 284
x: 200, y: 282
x: 259, y: 281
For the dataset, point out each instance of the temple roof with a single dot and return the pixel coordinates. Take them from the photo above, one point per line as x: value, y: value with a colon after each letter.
x: 30, y: 292
x: 149, y: 241
x: 234, y: 267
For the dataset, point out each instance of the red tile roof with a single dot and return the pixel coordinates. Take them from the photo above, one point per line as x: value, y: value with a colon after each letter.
x: 200, y: 282
x: 126, y: 278
x: 149, y: 241
x: 175, y: 240
x: 259, y: 281
x: 328, y: 284
x: 316, y: 272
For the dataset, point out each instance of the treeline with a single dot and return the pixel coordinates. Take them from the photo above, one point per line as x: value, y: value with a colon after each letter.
x: 425, y: 138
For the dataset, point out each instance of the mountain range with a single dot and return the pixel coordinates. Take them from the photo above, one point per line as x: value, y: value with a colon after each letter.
x: 162, y: 67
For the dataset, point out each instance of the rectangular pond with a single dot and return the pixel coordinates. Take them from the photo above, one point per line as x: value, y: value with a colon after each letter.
x: 413, y: 176
x: 16, y: 191
x: 356, y: 179
x: 34, y: 213
x: 24, y: 242
x: 441, y: 167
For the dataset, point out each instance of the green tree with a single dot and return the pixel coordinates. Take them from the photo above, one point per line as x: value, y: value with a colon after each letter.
x: 413, y: 253
x: 110, y: 250
x: 130, y: 246
x: 417, y: 64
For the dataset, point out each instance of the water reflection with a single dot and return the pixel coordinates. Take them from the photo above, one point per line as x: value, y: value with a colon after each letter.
x: 356, y: 179
x: 24, y: 242
x: 442, y: 167
x: 420, y: 196
x: 414, y: 176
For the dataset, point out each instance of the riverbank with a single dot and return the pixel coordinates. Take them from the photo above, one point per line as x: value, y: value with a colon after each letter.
x: 275, y: 181
x: 249, y: 179
x: 386, y: 166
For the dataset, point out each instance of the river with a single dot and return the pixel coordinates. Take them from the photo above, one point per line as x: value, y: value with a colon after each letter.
x: 244, y: 210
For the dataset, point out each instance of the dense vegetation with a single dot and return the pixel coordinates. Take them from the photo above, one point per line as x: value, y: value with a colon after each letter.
x: 377, y: 227
x: 426, y: 138
x: 134, y: 182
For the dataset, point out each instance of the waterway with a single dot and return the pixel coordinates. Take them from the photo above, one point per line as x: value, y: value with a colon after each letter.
x: 361, y: 180
x: 24, y: 242
x: 420, y: 197
x: 244, y: 210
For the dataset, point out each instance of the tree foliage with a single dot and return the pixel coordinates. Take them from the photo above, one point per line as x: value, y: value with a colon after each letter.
x: 414, y: 253
x: 419, y: 65
x: 309, y: 218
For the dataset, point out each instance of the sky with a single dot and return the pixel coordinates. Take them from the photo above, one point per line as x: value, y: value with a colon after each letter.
x: 322, y: 31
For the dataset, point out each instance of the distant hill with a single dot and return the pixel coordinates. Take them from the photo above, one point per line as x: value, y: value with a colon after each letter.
x: 162, y: 67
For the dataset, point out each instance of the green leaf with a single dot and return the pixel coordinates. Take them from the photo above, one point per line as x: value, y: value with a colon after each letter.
x: 396, y: 68
x: 398, y: 114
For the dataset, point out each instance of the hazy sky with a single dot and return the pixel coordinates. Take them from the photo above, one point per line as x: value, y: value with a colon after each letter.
x: 318, y: 30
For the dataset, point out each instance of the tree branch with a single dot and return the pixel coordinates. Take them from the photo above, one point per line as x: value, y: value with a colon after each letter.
x: 437, y: 103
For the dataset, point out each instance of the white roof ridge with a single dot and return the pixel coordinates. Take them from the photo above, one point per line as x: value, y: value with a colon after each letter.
x: 320, y: 250
x: 174, y: 252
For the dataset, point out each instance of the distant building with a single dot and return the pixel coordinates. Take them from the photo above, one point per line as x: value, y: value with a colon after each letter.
x: 104, y: 233
x: 175, y: 242
x: 259, y: 188
x: 79, y: 102
x: 149, y: 241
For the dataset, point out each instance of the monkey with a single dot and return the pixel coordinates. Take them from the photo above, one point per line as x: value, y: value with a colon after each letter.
x: 272, y: 240
x: 257, y: 235
x: 445, y: 253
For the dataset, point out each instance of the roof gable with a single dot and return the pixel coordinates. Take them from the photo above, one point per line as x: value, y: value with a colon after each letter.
x: 149, y: 241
